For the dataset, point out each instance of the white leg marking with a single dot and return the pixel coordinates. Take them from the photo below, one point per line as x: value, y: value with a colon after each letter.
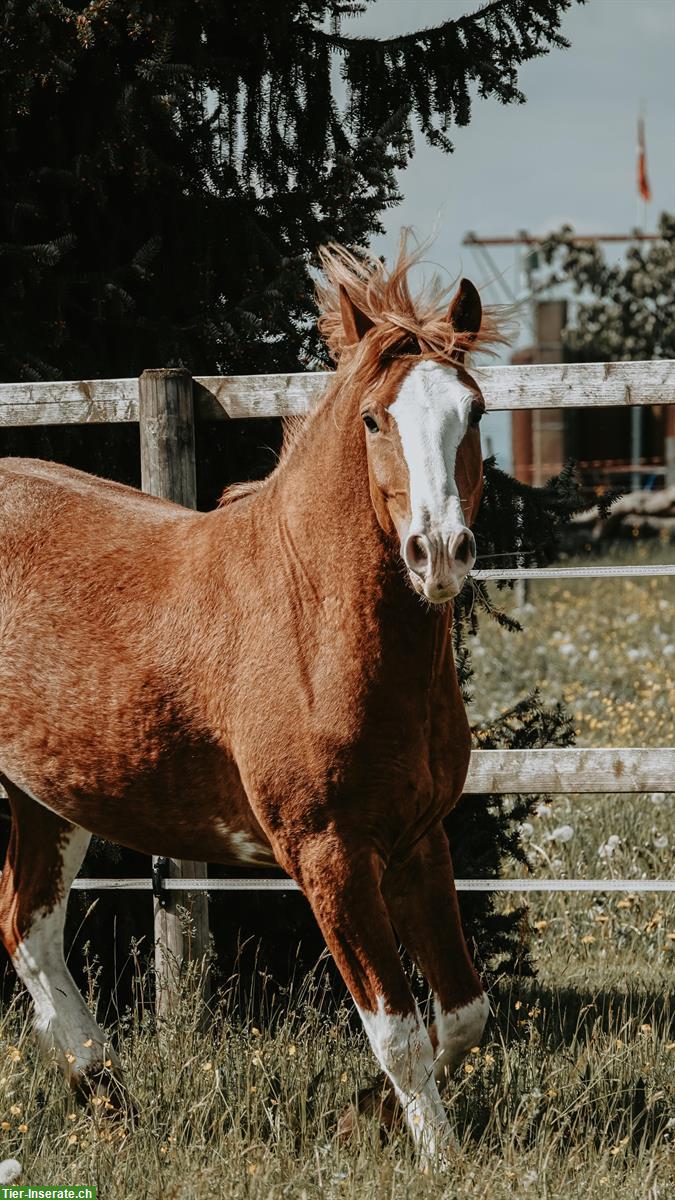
x: 457, y: 1032
x: 63, y: 1022
x: 403, y: 1049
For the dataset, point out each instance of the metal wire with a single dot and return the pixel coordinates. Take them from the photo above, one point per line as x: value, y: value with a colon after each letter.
x: 573, y: 572
x: 463, y: 885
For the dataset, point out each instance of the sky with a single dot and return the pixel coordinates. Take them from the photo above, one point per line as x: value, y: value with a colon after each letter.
x: 566, y: 156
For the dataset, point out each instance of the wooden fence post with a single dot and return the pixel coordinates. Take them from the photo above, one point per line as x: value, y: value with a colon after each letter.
x: 168, y: 469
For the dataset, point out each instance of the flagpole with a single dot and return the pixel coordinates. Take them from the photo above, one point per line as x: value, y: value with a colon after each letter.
x: 638, y: 148
x: 642, y: 192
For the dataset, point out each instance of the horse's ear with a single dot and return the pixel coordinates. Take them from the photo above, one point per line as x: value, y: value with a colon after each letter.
x: 465, y: 312
x: 354, y: 322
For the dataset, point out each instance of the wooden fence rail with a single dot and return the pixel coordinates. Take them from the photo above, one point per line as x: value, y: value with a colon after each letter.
x: 538, y: 385
x: 167, y: 403
x: 571, y: 771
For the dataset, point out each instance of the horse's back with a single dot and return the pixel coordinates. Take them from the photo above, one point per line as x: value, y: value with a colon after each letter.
x: 88, y: 571
x: 65, y: 535
x: 102, y: 693
x: 79, y: 558
x: 31, y: 487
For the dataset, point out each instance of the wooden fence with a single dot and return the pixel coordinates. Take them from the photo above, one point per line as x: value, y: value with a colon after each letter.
x: 167, y: 403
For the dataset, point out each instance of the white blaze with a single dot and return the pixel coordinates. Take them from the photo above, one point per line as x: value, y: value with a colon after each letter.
x: 432, y: 412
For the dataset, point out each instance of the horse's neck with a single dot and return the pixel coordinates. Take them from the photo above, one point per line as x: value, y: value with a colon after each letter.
x: 323, y: 494
x: 322, y: 506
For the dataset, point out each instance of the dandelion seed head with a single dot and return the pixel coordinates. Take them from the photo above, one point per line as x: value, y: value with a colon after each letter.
x: 563, y: 833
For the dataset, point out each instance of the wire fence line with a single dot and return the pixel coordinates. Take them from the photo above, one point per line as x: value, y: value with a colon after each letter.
x: 462, y: 885
x: 634, y: 572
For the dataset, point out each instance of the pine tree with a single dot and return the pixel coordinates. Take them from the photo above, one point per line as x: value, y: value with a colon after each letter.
x: 170, y: 168
x: 169, y: 171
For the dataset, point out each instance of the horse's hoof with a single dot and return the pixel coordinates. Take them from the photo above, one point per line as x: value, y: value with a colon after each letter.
x: 105, y: 1090
x: 379, y: 1100
x: 443, y: 1163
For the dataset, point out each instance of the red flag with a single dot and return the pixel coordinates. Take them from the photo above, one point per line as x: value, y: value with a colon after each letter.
x: 642, y: 180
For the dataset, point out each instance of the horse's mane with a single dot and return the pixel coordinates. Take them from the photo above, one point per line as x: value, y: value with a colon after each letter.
x: 384, y: 297
x: 402, y: 323
x: 293, y: 428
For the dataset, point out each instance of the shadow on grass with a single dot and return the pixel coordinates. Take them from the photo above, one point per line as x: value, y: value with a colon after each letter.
x: 567, y: 1013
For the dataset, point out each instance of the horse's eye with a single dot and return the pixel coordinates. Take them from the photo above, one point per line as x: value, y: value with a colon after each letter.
x: 370, y: 423
x: 474, y: 417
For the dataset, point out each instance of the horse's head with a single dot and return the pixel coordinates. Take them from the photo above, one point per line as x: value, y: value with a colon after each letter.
x: 420, y: 413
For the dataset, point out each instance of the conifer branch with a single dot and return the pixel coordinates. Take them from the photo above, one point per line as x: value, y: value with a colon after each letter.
x: 520, y: 12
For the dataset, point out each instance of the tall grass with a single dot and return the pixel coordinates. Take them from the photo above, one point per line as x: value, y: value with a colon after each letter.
x: 568, y: 1095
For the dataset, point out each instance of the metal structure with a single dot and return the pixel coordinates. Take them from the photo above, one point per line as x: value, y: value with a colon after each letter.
x: 538, y: 438
x: 581, y: 239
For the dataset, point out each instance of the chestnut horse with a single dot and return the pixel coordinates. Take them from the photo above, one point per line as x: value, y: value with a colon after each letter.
x: 261, y: 683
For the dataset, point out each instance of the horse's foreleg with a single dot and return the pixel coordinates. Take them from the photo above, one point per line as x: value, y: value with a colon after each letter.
x: 422, y: 901
x: 341, y: 882
x: 44, y: 855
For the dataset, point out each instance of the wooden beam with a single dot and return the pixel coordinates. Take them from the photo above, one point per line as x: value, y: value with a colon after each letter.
x: 572, y: 770
x: 168, y: 469
x: 234, y: 396
x: 527, y: 386
x: 577, y: 239
x: 167, y: 434
x: 83, y: 402
x: 577, y: 385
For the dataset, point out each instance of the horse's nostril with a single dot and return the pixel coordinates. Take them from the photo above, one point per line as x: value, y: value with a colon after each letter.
x: 465, y: 548
x: 462, y: 550
x: 416, y: 554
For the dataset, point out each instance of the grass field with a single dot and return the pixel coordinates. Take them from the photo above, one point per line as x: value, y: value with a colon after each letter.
x: 571, y: 1092
x: 607, y: 649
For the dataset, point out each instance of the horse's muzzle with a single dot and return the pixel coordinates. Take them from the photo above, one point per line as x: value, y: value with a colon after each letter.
x: 439, y: 565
